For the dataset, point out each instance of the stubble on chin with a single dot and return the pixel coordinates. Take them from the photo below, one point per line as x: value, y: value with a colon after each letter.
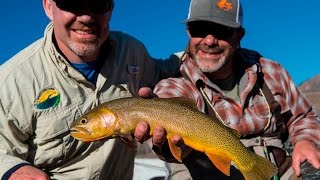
x: 83, y: 49
x: 208, y: 65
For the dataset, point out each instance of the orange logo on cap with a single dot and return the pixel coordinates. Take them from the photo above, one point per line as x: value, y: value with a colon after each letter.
x: 225, y: 5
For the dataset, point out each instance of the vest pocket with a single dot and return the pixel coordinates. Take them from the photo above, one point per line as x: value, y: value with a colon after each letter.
x: 52, y: 141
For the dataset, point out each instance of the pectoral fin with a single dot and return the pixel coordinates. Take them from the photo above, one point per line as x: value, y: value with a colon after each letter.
x: 221, y: 161
x: 175, y: 150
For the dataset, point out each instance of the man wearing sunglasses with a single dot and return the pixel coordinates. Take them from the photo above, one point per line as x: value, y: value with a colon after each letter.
x: 242, y: 89
x: 77, y: 65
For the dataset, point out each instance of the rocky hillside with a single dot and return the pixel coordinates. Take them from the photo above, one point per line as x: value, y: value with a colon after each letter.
x: 311, y: 89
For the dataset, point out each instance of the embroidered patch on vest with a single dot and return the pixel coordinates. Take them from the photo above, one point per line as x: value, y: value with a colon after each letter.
x: 225, y: 5
x: 47, y: 98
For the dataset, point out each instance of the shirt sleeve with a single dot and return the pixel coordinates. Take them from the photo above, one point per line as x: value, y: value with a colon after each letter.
x: 168, y: 67
x: 153, y: 69
x: 304, y: 123
x: 13, y: 150
x: 178, y: 87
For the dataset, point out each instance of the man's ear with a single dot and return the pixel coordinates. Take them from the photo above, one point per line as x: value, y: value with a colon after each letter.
x: 240, y: 32
x: 47, y: 6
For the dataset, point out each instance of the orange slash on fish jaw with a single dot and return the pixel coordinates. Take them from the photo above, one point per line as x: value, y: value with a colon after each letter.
x: 79, y: 130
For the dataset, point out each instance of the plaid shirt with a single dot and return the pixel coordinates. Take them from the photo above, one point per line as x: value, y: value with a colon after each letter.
x: 251, y: 114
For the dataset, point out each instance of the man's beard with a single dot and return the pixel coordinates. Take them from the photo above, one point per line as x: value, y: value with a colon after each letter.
x: 208, y: 65
x: 86, y: 47
x: 83, y: 49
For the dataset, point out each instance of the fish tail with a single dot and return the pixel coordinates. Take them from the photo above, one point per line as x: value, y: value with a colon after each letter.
x: 261, y: 169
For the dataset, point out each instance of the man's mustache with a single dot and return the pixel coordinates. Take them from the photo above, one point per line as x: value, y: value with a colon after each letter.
x: 92, y: 27
x: 216, y: 49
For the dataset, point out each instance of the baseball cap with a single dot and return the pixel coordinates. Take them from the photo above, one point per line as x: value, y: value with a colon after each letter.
x: 224, y: 12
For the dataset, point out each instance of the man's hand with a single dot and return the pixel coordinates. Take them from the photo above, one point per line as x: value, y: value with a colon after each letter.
x: 142, y: 132
x: 159, y: 136
x: 160, y: 141
x: 146, y: 92
x: 305, y: 151
x: 28, y: 172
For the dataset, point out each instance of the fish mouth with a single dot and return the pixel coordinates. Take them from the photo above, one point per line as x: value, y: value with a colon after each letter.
x: 80, y: 130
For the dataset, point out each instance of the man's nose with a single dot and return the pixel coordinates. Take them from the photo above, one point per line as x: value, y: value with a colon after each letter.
x: 86, y: 17
x: 210, y: 40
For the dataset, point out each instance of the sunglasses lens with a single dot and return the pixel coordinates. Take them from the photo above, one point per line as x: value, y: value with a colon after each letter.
x: 201, y: 30
x: 93, y: 6
x: 64, y: 5
x: 101, y: 6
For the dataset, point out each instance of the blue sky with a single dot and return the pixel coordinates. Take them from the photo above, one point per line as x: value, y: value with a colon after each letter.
x: 287, y: 31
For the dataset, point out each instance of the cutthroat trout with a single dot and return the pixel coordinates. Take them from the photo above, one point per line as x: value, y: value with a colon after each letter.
x: 179, y: 116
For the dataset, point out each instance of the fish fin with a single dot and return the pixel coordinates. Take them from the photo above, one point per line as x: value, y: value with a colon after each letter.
x: 221, y: 161
x: 259, y: 168
x: 175, y: 150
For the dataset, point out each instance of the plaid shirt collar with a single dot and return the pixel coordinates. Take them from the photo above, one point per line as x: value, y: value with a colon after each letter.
x: 247, y: 81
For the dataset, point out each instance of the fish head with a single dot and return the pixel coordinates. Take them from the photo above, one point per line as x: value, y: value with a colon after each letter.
x: 96, y: 124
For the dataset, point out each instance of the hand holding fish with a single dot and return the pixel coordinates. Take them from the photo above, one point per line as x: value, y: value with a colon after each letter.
x: 146, y: 92
x: 160, y: 141
x: 142, y: 132
x: 159, y: 137
x: 305, y: 151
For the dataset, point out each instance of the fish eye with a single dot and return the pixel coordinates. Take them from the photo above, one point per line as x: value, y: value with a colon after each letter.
x: 83, y: 121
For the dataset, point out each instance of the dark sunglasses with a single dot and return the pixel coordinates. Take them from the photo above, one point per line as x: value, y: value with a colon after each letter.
x: 202, y: 29
x: 78, y: 6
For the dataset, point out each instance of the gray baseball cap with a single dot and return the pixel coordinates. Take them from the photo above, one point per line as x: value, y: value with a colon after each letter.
x: 225, y: 12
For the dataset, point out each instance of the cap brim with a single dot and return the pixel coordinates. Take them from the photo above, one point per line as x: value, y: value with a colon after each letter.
x: 215, y: 20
